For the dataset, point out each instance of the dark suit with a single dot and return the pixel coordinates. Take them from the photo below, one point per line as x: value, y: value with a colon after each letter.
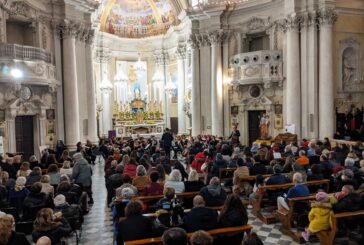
x: 200, y: 218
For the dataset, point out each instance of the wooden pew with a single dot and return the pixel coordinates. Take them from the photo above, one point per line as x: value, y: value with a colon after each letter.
x: 257, y: 203
x: 328, y: 237
x: 226, y: 173
x: 183, y: 195
x: 214, y: 233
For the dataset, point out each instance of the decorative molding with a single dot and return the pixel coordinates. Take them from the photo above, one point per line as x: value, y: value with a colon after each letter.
x: 203, y: 40
x: 256, y: 23
x: 181, y: 52
x: 293, y: 22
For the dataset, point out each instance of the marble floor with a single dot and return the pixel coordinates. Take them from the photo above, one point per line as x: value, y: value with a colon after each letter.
x: 97, y: 227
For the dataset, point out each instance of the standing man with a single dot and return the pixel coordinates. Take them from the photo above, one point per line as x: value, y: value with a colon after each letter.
x: 234, y: 136
x: 167, y: 139
x: 82, y: 173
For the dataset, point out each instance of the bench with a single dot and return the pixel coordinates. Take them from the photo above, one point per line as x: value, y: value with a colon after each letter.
x: 151, y: 200
x: 270, y: 218
x: 226, y: 173
x: 214, y: 233
x: 328, y: 237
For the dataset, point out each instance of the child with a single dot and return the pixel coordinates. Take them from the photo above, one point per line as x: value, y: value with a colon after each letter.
x: 319, y: 216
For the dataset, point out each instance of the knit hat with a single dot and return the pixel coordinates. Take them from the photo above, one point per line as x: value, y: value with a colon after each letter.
x: 322, y: 196
x: 59, y: 200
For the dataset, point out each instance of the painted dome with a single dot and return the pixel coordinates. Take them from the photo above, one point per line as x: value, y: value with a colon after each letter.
x: 136, y: 18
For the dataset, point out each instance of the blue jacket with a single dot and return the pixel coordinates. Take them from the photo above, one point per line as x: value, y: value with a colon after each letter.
x: 276, y: 179
x: 297, y: 191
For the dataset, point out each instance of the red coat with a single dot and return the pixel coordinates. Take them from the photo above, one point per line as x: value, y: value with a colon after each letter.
x: 197, y: 163
x: 130, y: 169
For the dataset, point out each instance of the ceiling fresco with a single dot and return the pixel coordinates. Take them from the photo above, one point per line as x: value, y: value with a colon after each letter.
x: 136, y: 18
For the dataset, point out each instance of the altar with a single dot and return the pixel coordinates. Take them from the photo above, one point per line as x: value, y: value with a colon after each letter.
x: 138, y: 118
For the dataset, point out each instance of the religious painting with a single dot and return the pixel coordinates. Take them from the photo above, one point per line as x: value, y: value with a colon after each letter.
x: 136, y: 19
x: 2, y: 116
x: 278, y: 123
x: 50, y: 114
x: 234, y: 110
x: 278, y: 109
x: 50, y: 128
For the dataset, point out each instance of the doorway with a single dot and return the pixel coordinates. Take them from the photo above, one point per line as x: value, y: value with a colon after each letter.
x: 24, y: 135
x: 174, y: 125
x: 253, y: 124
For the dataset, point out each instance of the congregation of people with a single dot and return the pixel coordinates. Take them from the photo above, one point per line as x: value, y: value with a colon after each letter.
x: 54, y: 194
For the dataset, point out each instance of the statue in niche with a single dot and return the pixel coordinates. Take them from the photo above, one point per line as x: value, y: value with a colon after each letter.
x: 349, y: 66
x: 264, y: 127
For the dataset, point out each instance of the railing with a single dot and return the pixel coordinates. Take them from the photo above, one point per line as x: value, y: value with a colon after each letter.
x: 196, y: 3
x: 20, y: 52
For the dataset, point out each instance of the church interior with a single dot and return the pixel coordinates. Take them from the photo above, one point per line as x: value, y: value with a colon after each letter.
x: 181, y: 122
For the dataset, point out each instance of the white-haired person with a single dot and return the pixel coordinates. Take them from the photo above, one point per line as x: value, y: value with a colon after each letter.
x: 194, y: 183
x: 298, y: 190
x: 141, y: 180
x: 18, y: 193
x: 175, y: 181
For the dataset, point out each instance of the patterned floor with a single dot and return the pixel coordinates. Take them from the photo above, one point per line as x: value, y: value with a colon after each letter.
x: 97, y: 227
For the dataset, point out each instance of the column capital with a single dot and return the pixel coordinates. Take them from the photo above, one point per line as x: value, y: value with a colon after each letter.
x: 217, y: 37
x: 193, y: 41
x: 72, y: 29
x: 292, y: 22
x: 203, y: 40
x: 326, y: 17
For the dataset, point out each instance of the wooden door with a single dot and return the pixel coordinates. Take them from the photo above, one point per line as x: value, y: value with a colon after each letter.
x: 253, y: 124
x: 24, y: 135
x: 174, y: 125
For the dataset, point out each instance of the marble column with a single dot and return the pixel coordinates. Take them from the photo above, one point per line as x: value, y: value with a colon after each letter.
x: 312, y: 78
x: 217, y: 112
x: 106, y: 90
x: 71, y: 112
x: 181, y: 54
x: 205, y: 83
x: 91, y: 93
x: 196, y: 89
x: 327, y: 18
x: 293, y: 83
x: 239, y: 42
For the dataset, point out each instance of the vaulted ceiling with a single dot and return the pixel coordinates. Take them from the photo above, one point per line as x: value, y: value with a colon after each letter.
x: 138, y: 18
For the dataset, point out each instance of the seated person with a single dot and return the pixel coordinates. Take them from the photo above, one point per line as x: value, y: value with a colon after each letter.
x: 201, y: 238
x: 7, y: 235
x: 18, y: 193
x: 347, y: 200
x: 218, y: 164
x: 175, y: 236
x: 134, y: 219
x: 3, y: 197
x: 52, y: 225
x: 175, y: 181
x: 200, y: 217
x: 141, y: 179
x: 213, y: 194
x: 302, y: 158
x: 296, y: 191
x: 276, y: 179
x: 232, y: 214
x: 72, y: 213
x: 153, y: 188
x: 122, y: 198
x: 34, y: 176
x: 193, y: 184
x: 241, y: 171
x: 258, y: 168
x: 35, y: 201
